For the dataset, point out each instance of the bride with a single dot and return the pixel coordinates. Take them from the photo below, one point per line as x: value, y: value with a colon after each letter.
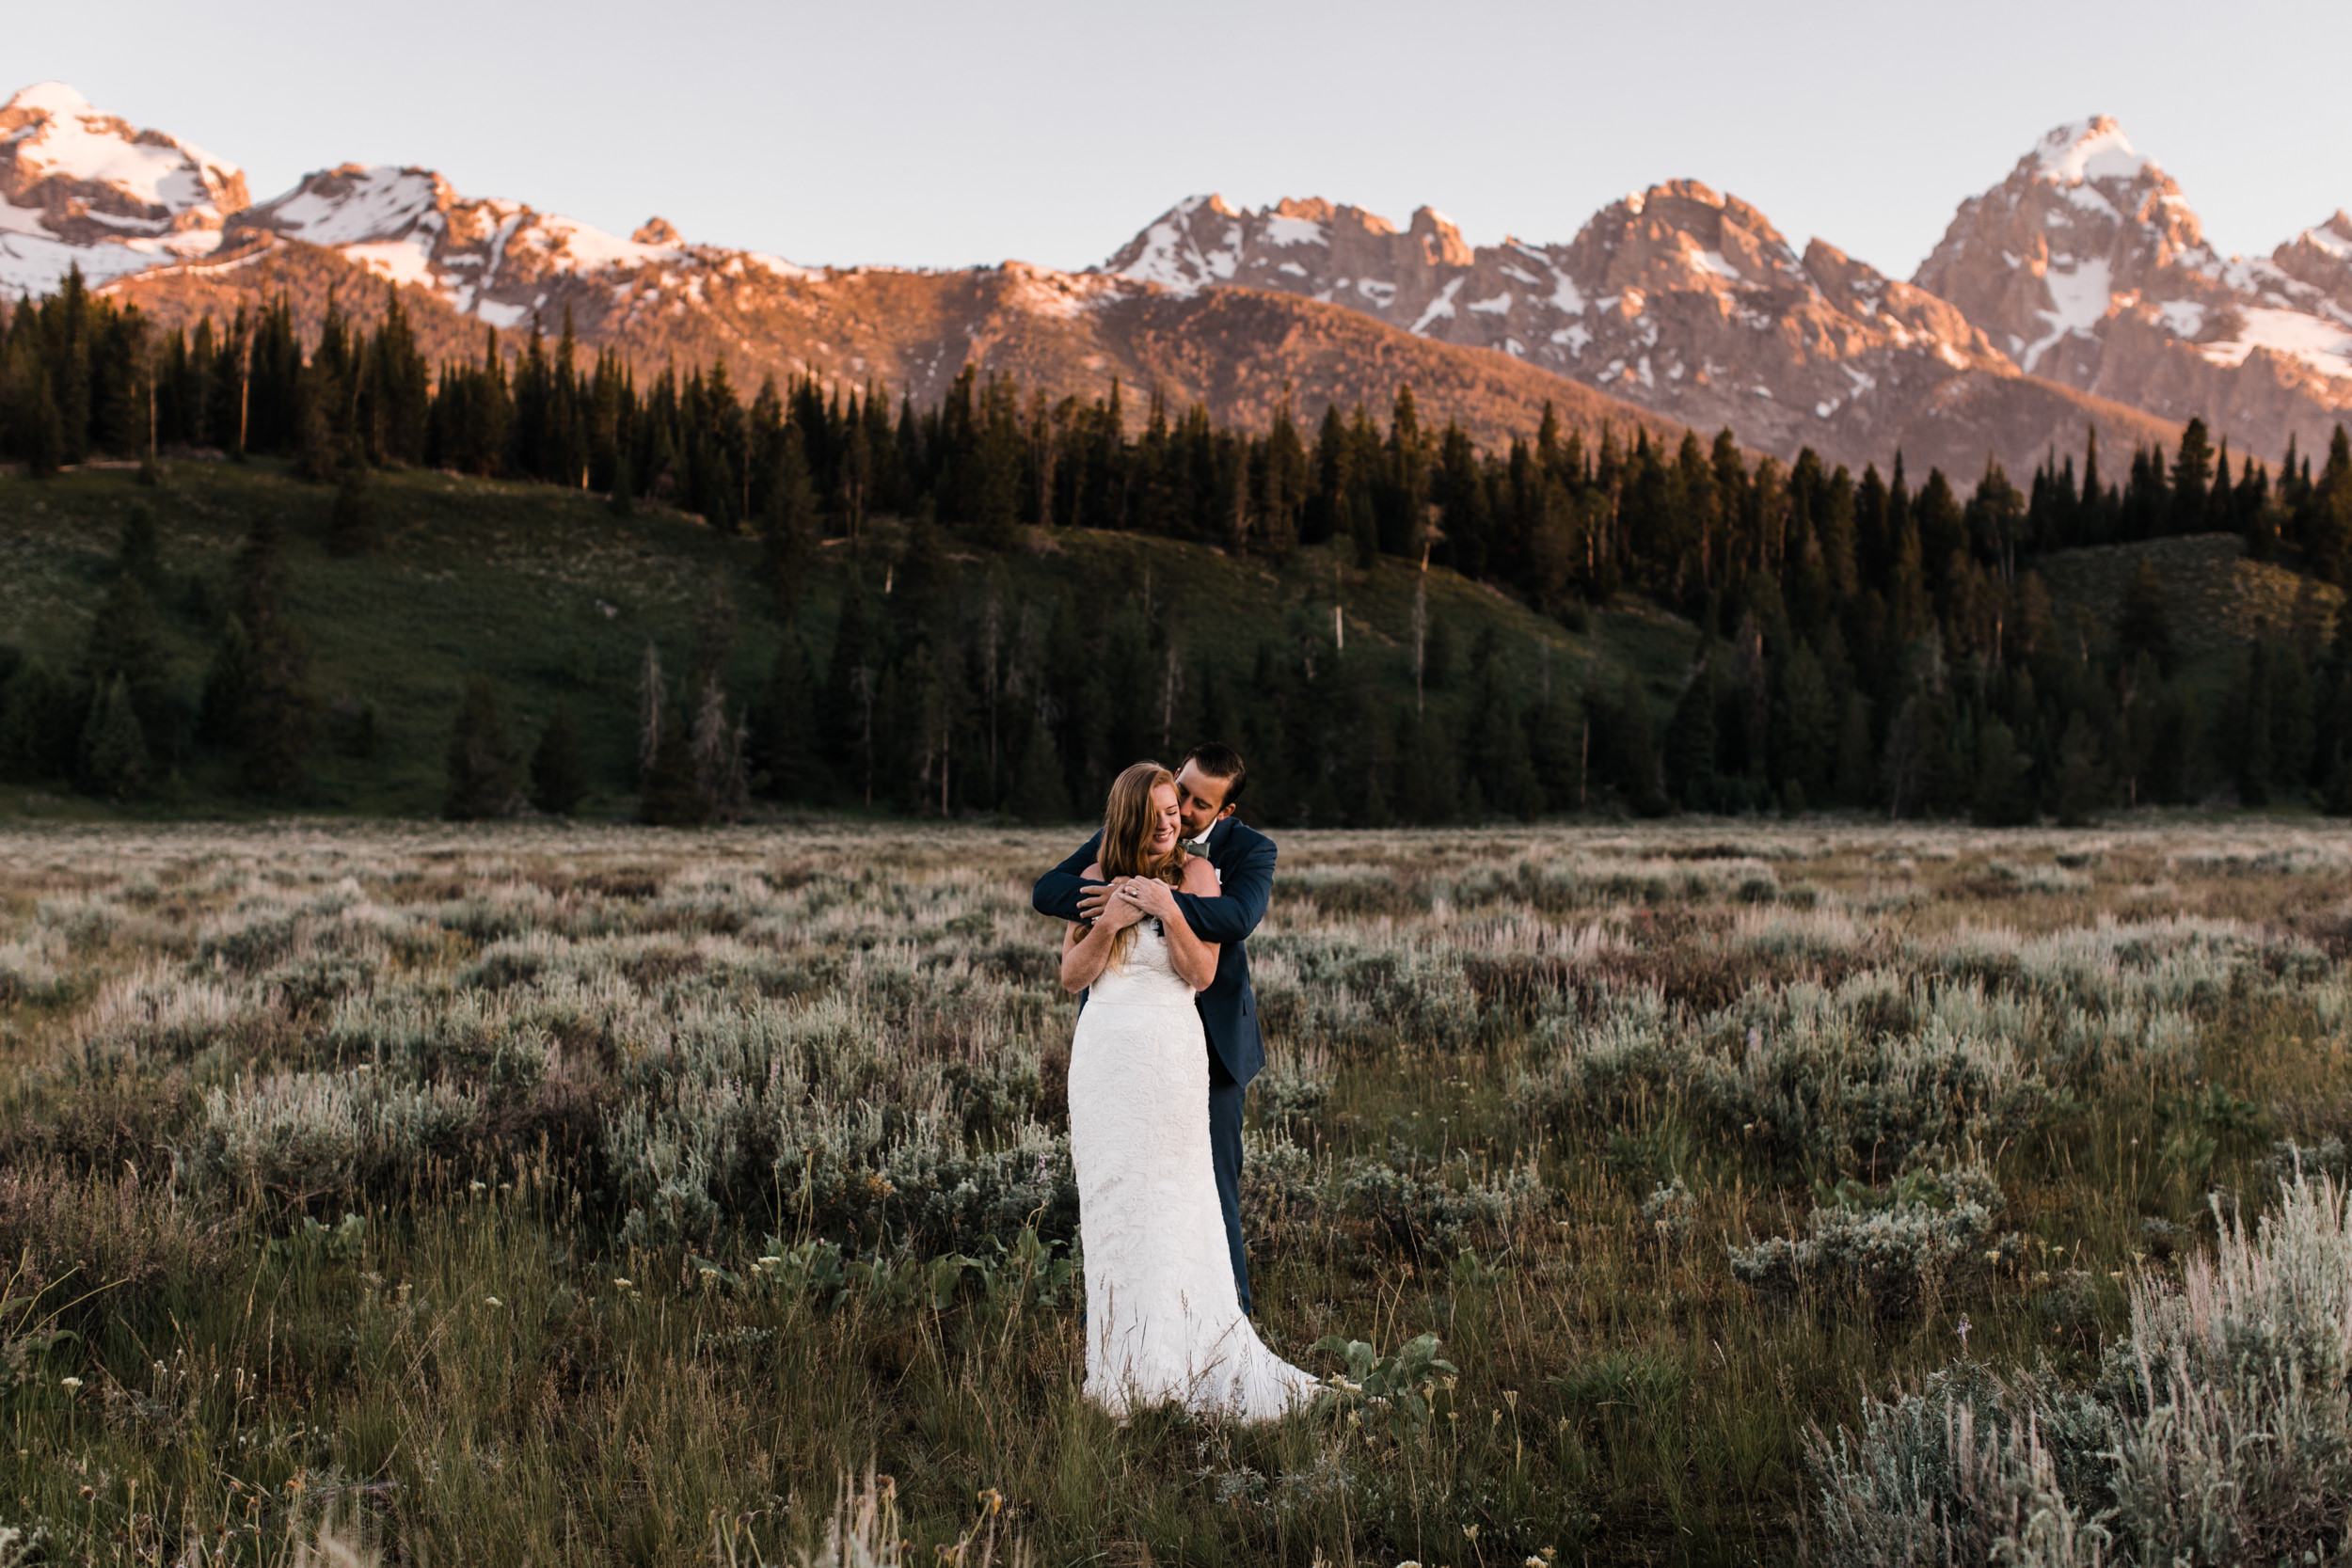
x: 1164, y: 1320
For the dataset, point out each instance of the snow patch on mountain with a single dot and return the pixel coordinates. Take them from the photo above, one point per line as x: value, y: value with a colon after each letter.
x: 2080, y: 297
x: 1283, y: 229
x: 82, y: 188
x: 2093, y: 148
x: 1437, y: 309
x: 2324, y: 346
x: 60, y: 136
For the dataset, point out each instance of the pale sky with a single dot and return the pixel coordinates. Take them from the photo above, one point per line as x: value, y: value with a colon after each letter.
x: 931, y: 134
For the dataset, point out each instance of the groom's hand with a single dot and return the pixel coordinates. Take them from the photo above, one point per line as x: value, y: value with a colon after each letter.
x: 1097, y: 897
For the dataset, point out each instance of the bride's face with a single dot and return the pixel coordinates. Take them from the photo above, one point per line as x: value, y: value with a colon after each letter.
x: 1166, y: 823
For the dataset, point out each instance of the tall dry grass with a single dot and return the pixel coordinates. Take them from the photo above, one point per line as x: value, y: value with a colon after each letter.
x: 600, y: 1196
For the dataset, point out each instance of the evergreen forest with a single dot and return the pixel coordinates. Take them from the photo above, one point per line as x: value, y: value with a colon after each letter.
x: 1884, y: 642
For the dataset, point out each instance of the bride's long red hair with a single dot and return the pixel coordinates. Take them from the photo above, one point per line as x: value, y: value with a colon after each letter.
x: 1128, y: 821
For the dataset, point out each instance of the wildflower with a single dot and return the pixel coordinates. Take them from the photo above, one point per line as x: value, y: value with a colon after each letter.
x: 492, y: 1301
x: 623, y: 1285
x: 1962, y: 1329
x: 69, y: 1383
x: 476, y: 1187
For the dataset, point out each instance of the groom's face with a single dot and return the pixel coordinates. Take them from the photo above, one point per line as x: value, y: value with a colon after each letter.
x: 1200, y: 799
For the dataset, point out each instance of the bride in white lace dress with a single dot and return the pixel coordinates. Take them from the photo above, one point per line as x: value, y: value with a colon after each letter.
x: 1164, y: 1321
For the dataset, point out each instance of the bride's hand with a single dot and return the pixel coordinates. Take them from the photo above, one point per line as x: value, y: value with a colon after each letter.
x: 1118, y: 910
x: 1148, y: 895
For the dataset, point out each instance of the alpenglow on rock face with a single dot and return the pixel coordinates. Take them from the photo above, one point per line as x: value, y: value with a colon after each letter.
x: 78, y: 188
x: 1678, y: 299
x: 495, y: 259
x: 2088, y: 266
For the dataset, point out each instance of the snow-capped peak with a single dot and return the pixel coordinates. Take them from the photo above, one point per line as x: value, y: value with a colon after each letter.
x: 49, y: 131
x: 55, y: 98
x: 493, y: 258
x: 2089, y: 149
x: 2334, y: 236
x: 82, y: 188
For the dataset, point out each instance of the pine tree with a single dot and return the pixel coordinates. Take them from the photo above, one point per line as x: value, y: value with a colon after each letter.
x: 2249, y: 714
x: 717, y: 743
x: 2004, y: 793
x: 666, y: 796
x: 2141, y: 624
x: 126, y: 644
x: 2080, y: 787
x: 786, y: 749
x: 1553, y: 741
x: 114, y: 762
x: 228, y: 688
x: 2192, y: 479
x: 1689, y: 748
x: 482, y: 762
x: 1857, y: 779
x: 41, y: 715
x: 787, y: 529
x: 1638, y: 775
x: 1804, y: 726
x: 279, y: 719
x: 1038, y: 794
x: 559, y: 773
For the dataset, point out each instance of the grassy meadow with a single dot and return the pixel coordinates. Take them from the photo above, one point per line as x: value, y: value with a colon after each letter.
x: 588, y: 1194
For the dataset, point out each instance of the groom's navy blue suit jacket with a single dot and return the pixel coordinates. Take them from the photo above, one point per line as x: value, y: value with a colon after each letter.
x: 1244, y: 859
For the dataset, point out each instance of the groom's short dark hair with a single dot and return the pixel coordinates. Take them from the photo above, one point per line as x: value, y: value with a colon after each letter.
x: 1220, y: 762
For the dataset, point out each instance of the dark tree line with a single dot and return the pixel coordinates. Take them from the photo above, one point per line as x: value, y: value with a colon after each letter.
x: 1859, y: 640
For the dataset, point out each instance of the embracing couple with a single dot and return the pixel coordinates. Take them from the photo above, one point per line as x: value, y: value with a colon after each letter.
x: 1160, y: 904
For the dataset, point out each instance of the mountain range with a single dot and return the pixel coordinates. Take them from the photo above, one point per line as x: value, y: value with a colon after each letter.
x: 2077, y: 291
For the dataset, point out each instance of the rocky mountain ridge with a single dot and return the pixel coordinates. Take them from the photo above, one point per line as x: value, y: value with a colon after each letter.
x: 2088, y: 266
x: 81, y: 188
x: 1679, y: 301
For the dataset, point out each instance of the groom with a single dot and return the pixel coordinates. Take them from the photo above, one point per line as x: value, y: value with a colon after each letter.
x: 1208, y: 785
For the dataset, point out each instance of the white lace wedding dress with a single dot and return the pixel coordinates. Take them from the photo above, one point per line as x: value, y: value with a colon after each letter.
x: 1163, y: 1319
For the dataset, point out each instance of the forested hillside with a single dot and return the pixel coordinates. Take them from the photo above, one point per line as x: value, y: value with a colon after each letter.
x: 824, y: 595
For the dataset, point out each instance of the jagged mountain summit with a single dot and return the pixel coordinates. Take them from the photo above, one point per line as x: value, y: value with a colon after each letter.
x: 1674, y: 306
x: 78, y: 188
x: 1677, y: 298
x: 467, y: 264
x: 497, y: 261
x: 2087, y: 265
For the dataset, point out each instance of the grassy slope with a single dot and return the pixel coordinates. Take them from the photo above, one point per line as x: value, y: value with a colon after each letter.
x: 510, y: 580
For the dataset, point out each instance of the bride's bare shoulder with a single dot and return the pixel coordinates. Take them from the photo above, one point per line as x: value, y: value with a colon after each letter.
x: 1201, y: 876
x: 1093, y: 873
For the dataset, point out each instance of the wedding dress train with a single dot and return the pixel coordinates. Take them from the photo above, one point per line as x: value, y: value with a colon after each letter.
x: 1164, y: 1321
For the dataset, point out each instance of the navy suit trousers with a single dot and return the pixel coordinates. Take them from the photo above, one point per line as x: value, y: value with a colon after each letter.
x: 1225, y: 1107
